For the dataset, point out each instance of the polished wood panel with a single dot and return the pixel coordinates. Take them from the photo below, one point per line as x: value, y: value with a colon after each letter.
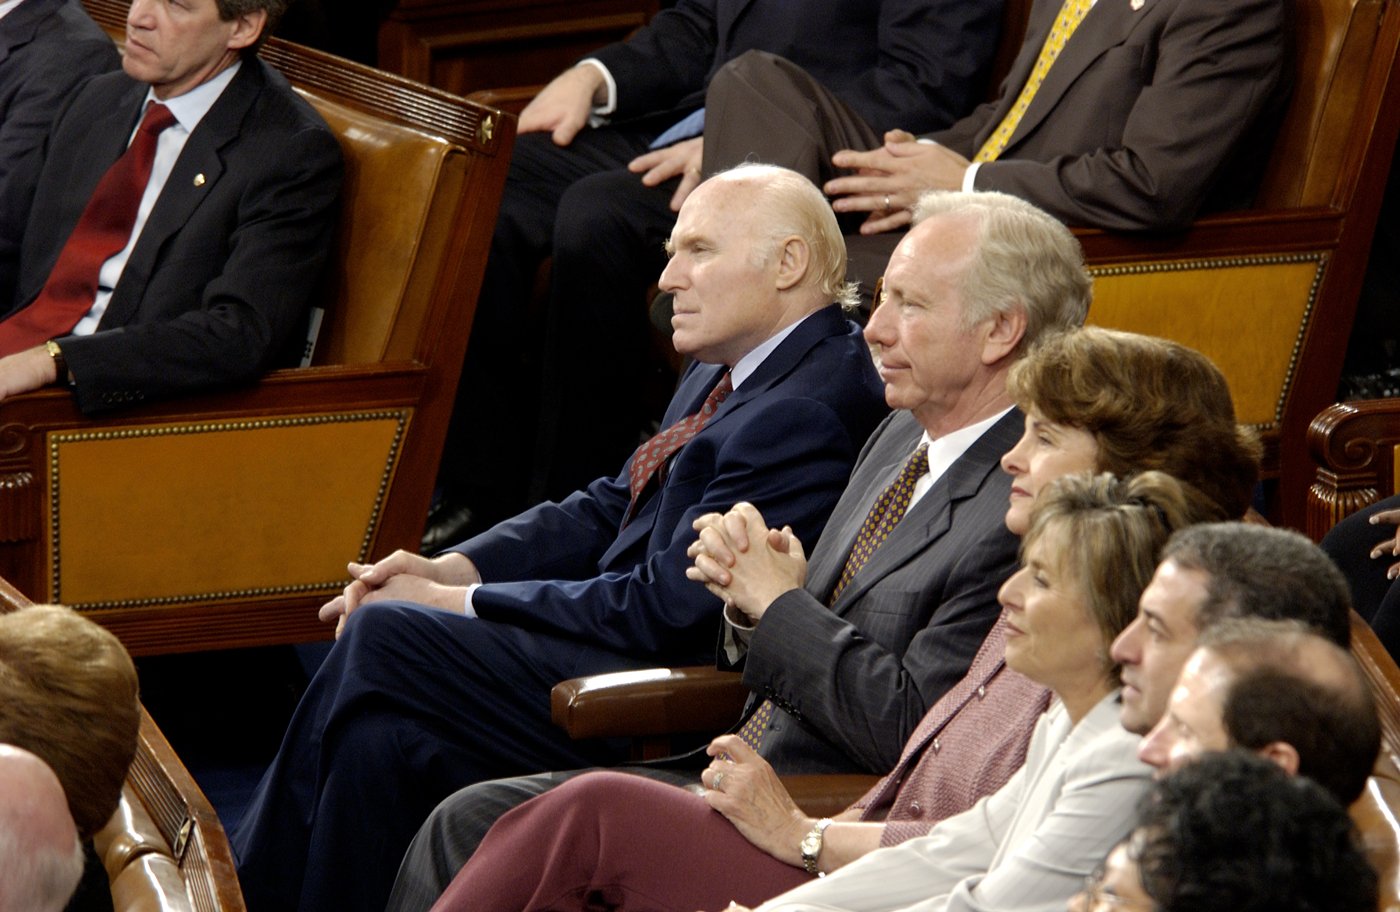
x: 466, y: 45
x: 1357, y: 449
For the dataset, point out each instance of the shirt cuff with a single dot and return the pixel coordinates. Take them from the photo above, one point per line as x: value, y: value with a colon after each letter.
x: 467, y: 608
x: 970, y: 177
x: 736, y: 635
x: 600, y: 112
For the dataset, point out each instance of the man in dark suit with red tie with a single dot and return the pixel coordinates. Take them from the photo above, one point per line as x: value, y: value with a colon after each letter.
x: 442, y: 670
x: 181, y: 213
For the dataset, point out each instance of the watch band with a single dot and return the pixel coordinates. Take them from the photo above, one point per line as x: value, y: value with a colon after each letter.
x: 811, y: 847
x: 60, y: 363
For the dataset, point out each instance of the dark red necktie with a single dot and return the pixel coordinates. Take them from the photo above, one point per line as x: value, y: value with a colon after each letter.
x: 103, y: 229
x: 653, y: 454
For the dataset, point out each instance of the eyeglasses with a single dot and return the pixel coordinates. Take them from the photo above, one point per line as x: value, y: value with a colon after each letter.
x: 1095, y: 898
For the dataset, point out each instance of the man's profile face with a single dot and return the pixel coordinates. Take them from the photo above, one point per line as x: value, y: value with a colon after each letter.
x: 926, y: 354
x: 176, y: 45
x: 1192, y: 723
x: 722, y: 273
x: 1155, y: 646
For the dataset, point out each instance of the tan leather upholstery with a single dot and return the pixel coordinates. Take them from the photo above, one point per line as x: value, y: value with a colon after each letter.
x: 226, y: 519
x: 1357, y: 449
x: 1270, y: 293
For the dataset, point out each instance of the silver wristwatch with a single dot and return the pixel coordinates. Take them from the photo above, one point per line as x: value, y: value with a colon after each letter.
x: 811, y: 847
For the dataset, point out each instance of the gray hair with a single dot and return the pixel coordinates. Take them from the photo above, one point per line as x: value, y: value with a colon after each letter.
x: 1024, y: 258
x: 793, y: 205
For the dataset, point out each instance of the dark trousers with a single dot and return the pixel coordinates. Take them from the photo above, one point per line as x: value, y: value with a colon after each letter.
x: 1375, y: 598
x: 532, y: 382
x: 411, y: 705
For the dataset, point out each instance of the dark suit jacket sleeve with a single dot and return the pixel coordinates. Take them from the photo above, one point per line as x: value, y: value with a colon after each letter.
x: 30, y: 101
x: 790, y: 457
x: 1184, y: 103
x: 932, y: 65
x: 664, y: 61
x: 281, y: 236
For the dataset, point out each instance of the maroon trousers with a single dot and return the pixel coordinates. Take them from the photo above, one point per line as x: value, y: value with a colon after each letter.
x: 614, y: 841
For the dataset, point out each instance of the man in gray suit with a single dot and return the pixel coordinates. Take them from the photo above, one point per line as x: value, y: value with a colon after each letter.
x: 844, y: 667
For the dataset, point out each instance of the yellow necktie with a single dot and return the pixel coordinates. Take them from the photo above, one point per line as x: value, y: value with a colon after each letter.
x: 1068, y: 19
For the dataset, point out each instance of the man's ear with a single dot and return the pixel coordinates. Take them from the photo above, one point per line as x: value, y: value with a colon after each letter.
x: 1282, y: 753
x: 246, y: 29
x: 1003, y: 335
x: 794, y: 259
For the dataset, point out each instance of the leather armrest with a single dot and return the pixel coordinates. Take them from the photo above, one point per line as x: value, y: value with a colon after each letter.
x: 649, y: 702
x: 827, y: 795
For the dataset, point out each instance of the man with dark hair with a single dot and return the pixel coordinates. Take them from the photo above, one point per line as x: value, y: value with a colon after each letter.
x: 182, y: 211
x: 1212, y: 572
x: 1277, y: 689
x: 1232, y: 832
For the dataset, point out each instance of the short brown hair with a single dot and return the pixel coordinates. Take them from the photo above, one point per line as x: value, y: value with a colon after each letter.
x: 1117, y: 528
x: 1150, y: 404
x: 68, y: 694
x: 232, y: 9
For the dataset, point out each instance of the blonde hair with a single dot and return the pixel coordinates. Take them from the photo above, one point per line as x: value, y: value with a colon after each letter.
x: 1117, y: 528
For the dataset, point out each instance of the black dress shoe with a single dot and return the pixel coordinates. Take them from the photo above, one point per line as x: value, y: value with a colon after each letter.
x: 448, y: 524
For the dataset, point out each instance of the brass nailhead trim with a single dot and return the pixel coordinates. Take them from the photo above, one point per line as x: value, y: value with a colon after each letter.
x: 1320, y: 258
x: 57, y: 439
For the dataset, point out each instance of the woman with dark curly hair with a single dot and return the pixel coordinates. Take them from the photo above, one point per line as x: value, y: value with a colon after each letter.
x: 1232, y: 832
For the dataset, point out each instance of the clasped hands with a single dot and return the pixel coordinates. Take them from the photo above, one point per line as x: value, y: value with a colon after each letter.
x: 403, y: 576
x: 745, y: 563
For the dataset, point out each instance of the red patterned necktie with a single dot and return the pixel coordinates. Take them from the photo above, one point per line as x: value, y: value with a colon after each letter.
x: 103, y: 229
x: 653, y: 454
x: 889, y: 508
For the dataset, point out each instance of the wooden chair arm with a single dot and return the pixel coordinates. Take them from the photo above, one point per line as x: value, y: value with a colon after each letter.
x: 1358, y: 463
x: 508, y: 98
x: 827, y: 795
x: 648, y: 703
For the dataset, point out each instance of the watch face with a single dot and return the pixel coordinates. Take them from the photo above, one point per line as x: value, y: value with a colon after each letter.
x: 811, y: 843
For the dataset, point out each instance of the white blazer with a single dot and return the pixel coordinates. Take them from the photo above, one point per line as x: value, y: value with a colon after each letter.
x: 1027, y: 848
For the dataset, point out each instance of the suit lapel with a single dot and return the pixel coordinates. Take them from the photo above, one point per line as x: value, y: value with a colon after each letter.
x: 22, y: 24
x: 727, y: 17
x: 782, y: 360
x: 897, y: 440
x: 930, y: 518
x: 196, y: 173
x: 1104, y: 27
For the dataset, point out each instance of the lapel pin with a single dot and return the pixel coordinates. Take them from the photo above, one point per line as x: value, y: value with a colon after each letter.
x: 1136, y: 4
x: 199, y: 178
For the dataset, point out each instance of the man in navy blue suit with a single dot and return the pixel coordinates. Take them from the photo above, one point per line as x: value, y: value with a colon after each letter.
x: 442, y: 672
x: 606, y: 153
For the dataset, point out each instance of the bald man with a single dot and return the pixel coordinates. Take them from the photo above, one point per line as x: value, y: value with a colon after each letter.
x: 40, y: 856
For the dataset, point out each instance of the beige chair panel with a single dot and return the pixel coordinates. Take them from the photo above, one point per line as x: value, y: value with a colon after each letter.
x: 1248, y: 315
x: 294, y: 500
